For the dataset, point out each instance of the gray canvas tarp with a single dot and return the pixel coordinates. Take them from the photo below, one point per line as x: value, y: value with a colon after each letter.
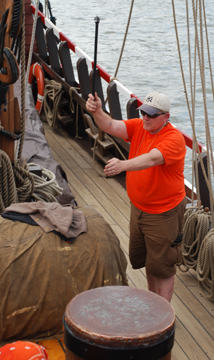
x: 36, y: 149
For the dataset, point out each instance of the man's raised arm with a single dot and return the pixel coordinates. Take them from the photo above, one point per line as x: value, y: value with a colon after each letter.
x: 103, y: 120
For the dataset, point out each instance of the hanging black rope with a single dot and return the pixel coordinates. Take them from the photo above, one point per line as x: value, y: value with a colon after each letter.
x: 52, y: 18
x: 16, y: 46
x: 16, y: 18
x: 3, y: 95
x: 3, y: 27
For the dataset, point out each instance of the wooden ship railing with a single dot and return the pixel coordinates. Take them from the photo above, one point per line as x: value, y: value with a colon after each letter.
x: 57, y: 64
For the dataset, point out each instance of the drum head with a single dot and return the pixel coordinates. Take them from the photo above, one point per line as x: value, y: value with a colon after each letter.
x: 120, y: 317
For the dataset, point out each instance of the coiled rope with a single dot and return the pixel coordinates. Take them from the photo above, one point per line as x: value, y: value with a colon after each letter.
x: 205, y: 264
x: 16, y: 183
x: 8, y: 194
x: 196, y: 227
x: 46, y: 187
x: 53, y: 92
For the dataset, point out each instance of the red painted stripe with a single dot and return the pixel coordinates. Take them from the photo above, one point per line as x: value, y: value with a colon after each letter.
x: 71, y: 45
x: 139, y: 101
x: 107, y: 77
x: 103, y: 73
x: 188, y: 140
x: 33, y: 9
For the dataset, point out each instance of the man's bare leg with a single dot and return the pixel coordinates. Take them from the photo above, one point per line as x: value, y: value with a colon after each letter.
x: 162, y: 287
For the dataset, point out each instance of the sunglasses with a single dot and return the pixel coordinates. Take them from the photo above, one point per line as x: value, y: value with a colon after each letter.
x: 151, y: 116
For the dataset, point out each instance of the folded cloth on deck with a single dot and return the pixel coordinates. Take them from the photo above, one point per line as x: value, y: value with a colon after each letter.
x: 65, y: 219
x: 25, y: 218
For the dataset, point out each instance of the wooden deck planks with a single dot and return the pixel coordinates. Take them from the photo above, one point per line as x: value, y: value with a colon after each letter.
x: 194, y: 336
x: 54, y: 348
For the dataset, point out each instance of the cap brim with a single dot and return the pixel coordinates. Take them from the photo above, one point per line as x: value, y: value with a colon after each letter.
x: 148, y: 109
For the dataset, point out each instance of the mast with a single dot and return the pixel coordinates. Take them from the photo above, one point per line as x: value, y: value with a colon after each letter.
x: 7, y: 117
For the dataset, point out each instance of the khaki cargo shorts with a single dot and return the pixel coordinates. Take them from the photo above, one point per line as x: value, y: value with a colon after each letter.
x: 155, y: 240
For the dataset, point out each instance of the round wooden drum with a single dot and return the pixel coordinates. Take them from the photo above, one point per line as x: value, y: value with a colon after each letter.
x: 118, y: 322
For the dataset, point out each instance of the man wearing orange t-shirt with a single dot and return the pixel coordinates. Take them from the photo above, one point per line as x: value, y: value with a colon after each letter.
x: 155, y: 186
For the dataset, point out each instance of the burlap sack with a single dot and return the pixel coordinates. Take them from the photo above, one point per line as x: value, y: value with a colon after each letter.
x: 40, y: 273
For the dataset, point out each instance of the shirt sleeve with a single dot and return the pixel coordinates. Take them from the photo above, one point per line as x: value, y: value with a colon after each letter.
x: 131, y: 126
x: 172, y: 147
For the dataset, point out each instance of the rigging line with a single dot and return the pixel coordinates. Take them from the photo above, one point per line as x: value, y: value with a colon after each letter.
x: 124, y: 40
x: 123, y: 45
x: 32, y: 42
x: 209, y: 61
x: 187, y: 100
x: 208, y: 136
x: 192, y: 86
x: 208, y: 50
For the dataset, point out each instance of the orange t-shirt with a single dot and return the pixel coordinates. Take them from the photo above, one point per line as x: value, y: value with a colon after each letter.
x: 159, y: 188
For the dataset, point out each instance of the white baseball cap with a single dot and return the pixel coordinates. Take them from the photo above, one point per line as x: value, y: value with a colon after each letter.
x: 154, y: 102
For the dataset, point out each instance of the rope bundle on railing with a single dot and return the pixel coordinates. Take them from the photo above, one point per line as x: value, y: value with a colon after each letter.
x: 196, y: 227
x: 53, y: 92
x: 72, y: 107
x: 46, y: 187
x: 205, y: 265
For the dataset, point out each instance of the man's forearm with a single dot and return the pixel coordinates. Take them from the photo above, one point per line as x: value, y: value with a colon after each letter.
x: 141, y: 162
x: 103, y: 120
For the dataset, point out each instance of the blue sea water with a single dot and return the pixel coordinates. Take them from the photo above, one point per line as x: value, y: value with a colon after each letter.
x: 150, y: 59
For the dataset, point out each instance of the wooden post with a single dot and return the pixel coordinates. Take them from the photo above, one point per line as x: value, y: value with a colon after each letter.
x: 7, y: 118
x: 28, y: 28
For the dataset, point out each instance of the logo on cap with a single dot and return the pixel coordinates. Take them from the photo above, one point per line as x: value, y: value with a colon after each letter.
x: 149, y: 99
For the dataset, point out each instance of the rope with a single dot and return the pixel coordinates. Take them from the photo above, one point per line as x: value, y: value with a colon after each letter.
x: 72, y: 108
x: 192, y: 115
x: 3, y: 28
x: 46, y: 187
x: 3, y: 95
x: 196, y: 227
x: 123, y: 45
x: 32, y: 42
x: 124, y: 40
x: 53, y: 92
x: 23, y: 90
x: 8, y: 194
x: 25, y: 182
x: 205, y: 265
x: 94, y: 153
x: 16, y: 183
